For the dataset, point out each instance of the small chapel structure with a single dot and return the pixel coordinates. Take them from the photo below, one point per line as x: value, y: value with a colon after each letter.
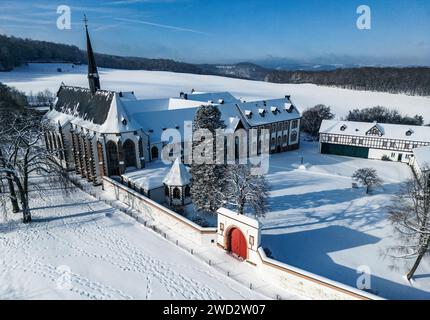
x: 177, y: 186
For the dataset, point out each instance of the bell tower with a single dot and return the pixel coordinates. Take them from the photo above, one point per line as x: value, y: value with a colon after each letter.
x: 93, y: 75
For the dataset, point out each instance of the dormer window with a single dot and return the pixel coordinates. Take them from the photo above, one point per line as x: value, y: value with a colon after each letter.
x: 124, y: 121
x: 409, y: 133
x: 288, y: 107
x: 221, y: 101
x: 343, y: 128
x: 262, y: 112
x: 248, y: 114
x: 274, y: 110
x: 374, y: 131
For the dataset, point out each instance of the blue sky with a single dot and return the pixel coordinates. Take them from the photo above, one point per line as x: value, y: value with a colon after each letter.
x: 321, y: 31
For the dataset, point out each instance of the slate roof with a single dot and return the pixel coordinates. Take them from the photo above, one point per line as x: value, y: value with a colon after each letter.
x: 79, y: 102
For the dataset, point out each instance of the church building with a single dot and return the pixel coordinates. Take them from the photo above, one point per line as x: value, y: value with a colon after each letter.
x: 100, y: 132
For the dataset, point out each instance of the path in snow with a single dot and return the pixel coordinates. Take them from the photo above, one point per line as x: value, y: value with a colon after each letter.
x: 110, y: 257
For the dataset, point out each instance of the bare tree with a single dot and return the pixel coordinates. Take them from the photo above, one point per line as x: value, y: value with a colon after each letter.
x: 367, y: 177
x: 245, y: 190
x: 409, y: 213
x: 23, y: 154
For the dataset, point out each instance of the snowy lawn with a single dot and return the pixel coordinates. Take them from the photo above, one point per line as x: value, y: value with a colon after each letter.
x: 317, y: 222
x: 109, y: 254
x: 156, y: 84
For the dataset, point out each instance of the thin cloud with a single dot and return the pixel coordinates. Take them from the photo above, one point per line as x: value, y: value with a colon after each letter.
x: 165, y: 26
x: 28, y: 21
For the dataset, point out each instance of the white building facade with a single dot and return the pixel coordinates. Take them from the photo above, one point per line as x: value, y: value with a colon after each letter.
x: 380, y: 141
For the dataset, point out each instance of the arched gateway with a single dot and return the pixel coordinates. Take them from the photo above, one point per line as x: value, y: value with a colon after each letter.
x: 237, y: 243
x: 239, y: 235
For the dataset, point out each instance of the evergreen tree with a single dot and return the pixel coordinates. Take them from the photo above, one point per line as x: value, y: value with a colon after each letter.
x: 208, y: 180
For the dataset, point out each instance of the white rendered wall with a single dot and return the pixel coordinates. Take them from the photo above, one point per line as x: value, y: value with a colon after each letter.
x: 378, y: 154
x: 248, y: 226
x: 160, y: 215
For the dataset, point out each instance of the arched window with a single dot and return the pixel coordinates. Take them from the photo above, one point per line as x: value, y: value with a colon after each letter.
x: 166, y: 191
x: 112, y: 158
x: 176, y: 193
x: 187, y: 192
x: 60, y: 147
x: 285, y: 138
x: 273, y: 141
x: 154, y: 153
x: 293, y: 136
x: 54, y: 142
x: 129, y: 153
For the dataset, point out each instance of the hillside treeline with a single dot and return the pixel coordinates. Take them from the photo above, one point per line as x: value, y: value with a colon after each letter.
x: 412, y: 81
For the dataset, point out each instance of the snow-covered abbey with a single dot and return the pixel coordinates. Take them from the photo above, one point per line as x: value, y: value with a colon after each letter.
x: 109, y: 133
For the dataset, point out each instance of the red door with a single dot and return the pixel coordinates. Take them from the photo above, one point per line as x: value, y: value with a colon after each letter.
x: 238, y: 243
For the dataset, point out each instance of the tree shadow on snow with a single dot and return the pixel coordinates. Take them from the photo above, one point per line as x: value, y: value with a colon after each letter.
x: 309, y: 250
x: 365, y: 215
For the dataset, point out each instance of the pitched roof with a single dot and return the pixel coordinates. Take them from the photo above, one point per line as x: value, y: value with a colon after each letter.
x: 156, y: 122
x: 102, y: 112
x: 388, y: 131
x: 79, y: 102
x: 213, y: 97
x: 258, y: 113
x: 178, y: 175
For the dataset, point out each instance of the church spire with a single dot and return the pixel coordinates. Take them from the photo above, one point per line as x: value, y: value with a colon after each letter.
x: 93, y: 75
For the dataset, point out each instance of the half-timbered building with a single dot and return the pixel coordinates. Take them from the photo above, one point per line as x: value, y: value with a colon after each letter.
x: 372, y: 140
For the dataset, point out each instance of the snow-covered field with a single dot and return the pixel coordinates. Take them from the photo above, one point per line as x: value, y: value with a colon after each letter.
x: 109, y: 255
x: 155, y: 84
x: 317, y: 222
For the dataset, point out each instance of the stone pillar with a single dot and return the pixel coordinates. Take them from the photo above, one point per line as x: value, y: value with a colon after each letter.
x: 121, y: 158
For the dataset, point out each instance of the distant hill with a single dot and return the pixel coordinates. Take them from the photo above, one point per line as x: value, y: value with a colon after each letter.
x: 11, y: 98
x: 415, y: 81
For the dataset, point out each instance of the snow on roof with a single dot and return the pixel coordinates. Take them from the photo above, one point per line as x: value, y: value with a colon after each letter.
x: 117, y: 119
x: 149, y: 178
x: 388, y: 131
x: 101, y: 112
x: 240, y: 217
x: 178, y: 175
x: 216, y: 97
x: 156, y: 122
x: 422, y: 156
x: 80, y: 102
x: 149, y: 105
x: 113, y: 112
x: 260, y: 114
